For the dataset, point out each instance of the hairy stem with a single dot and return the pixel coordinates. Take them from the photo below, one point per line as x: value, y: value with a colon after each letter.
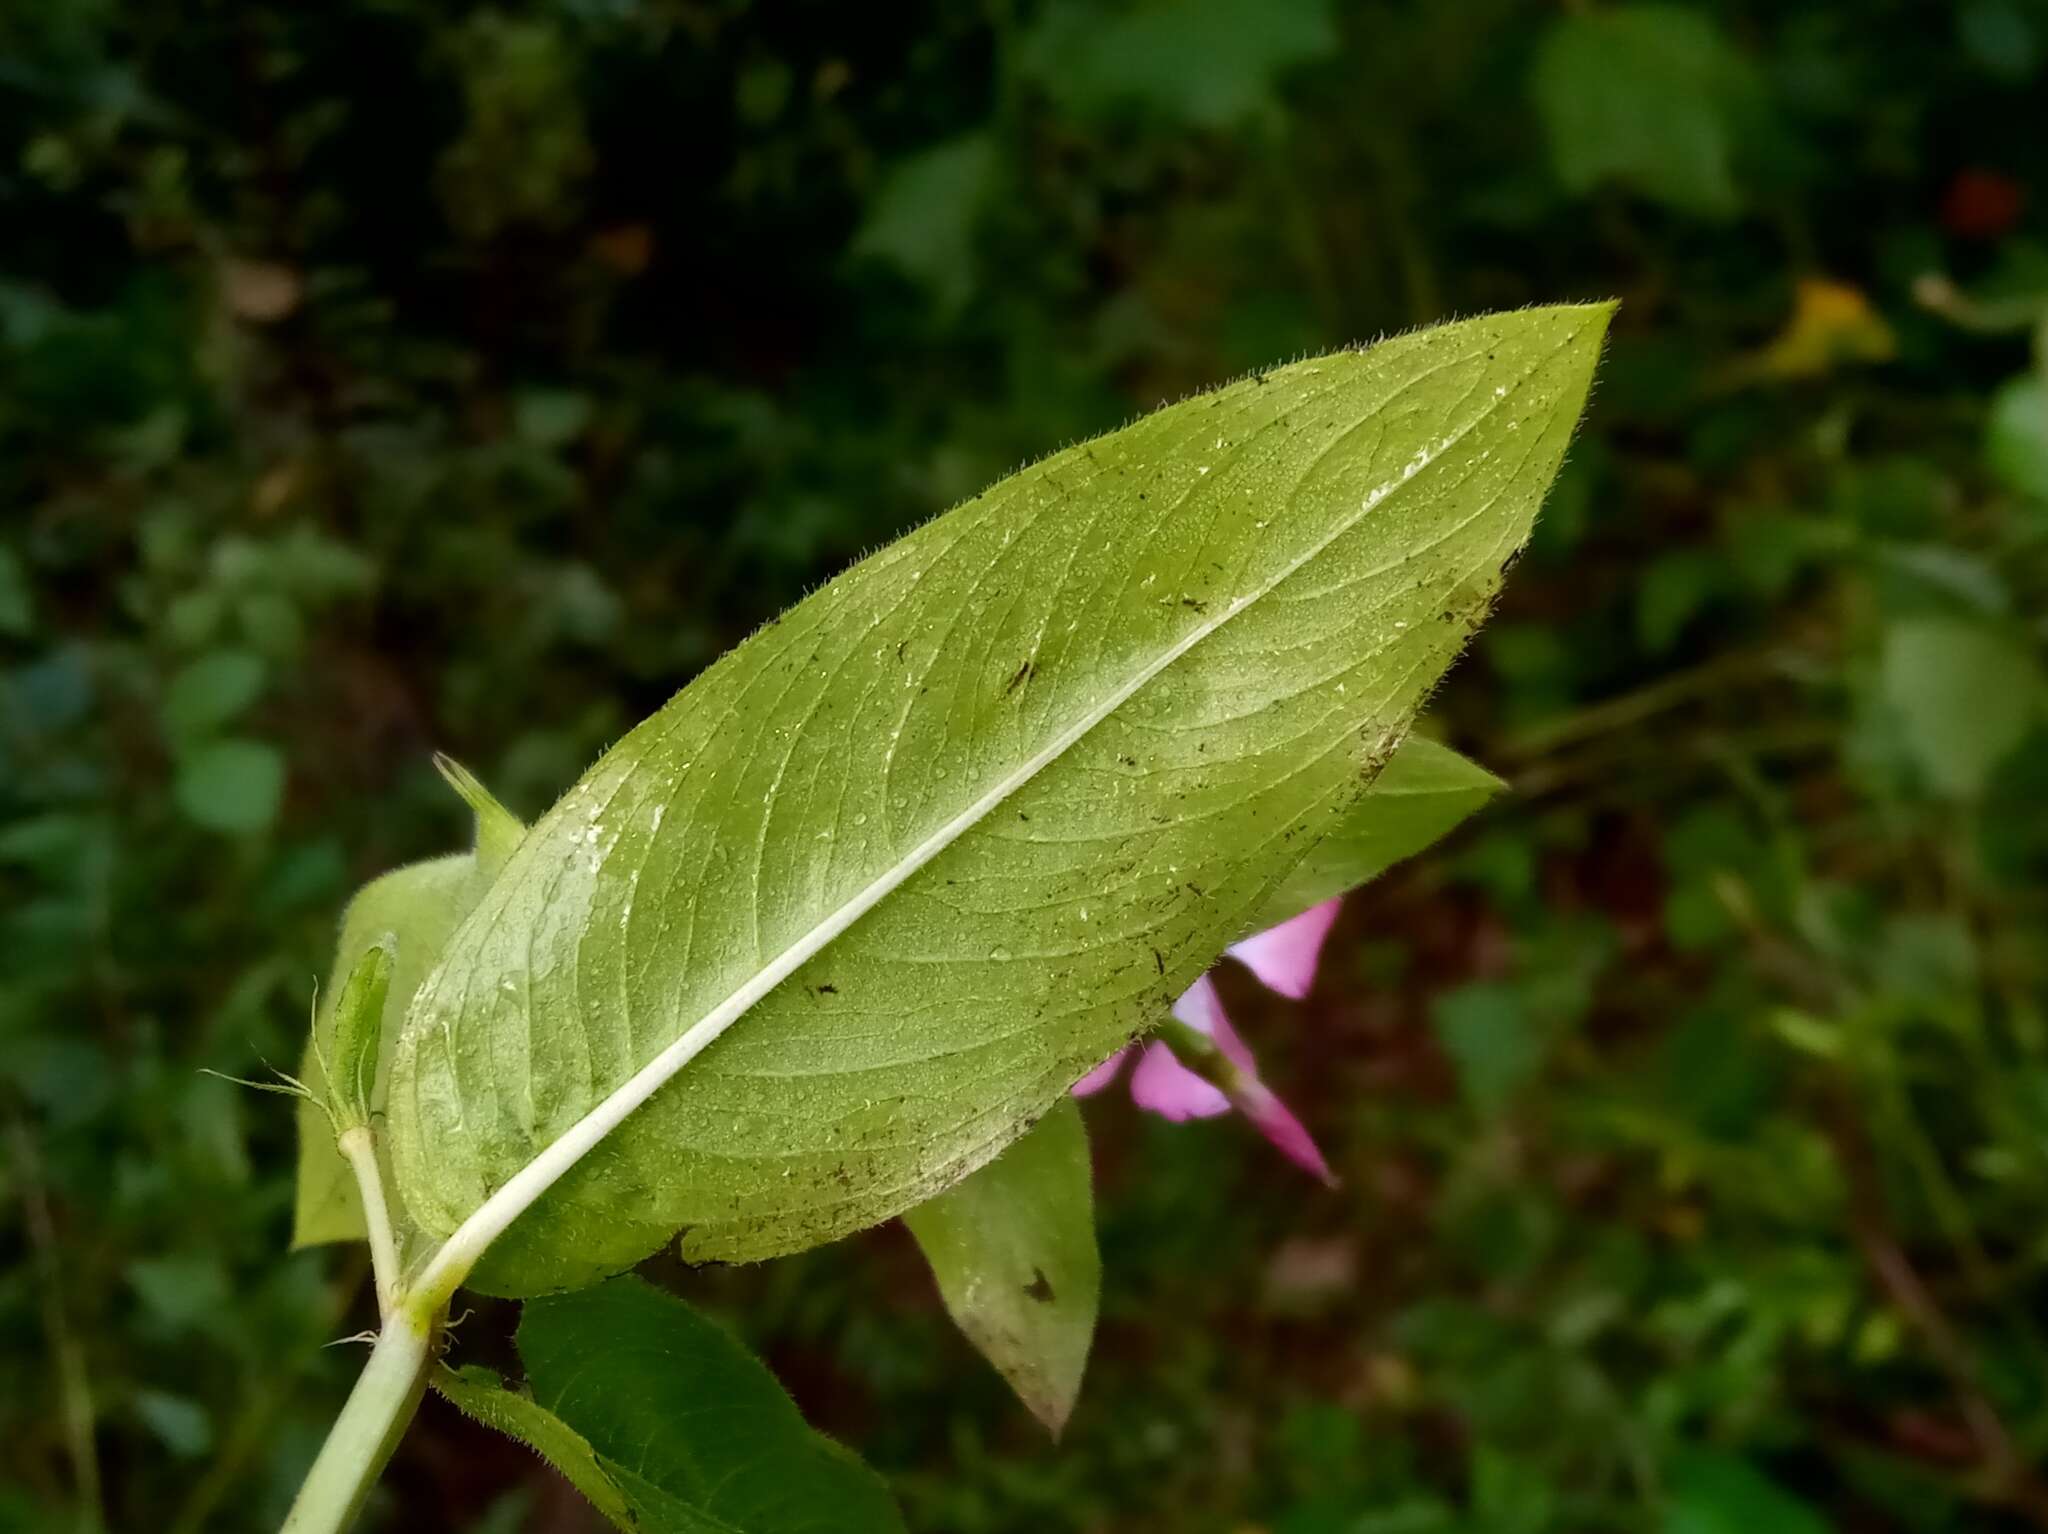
x: 388, y: 1392
x: 361, y: 1150
x: 369, y: 1427
x: 256, y: 1419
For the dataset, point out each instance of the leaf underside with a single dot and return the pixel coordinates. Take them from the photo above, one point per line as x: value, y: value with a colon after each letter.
x: 1423, y: 792
x: 667, y: 1424
x: 1013, y: 1250
x: 966, y: 820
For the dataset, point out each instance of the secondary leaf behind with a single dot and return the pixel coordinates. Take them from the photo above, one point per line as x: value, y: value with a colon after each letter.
x: 1013, y: 1250
x: 668, y: 1425
x: 1425, y: 791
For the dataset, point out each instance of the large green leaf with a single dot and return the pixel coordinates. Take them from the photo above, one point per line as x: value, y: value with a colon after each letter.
x: 966, y: 819
x: 1418, y: 798
x: 667, y: 1424
x: 1013, y: 1249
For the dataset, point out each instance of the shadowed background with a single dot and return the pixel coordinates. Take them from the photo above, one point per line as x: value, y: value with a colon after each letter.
x: 379, y: 377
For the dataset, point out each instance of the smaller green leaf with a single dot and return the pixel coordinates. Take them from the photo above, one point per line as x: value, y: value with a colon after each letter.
x: 667, y: 1424
x: 1965, y: 694
x: 1013, y: 1249
x: 2001, y: 38
x: 358, y: 1026
x: 181, y: 1424
x: 1716, y: 1493
x: 480, y: 1393
x: 210, y: 692
x: 233, y: 786
x: 1213, y: 64
x: 922, y: 219
x: 2016, y: 435
x: 1647, y: 95
x: 17, y: 605
x: 551, y: 418
x: 1487, y: 1031
x: 1673, y: 591
x: 1511, y: 1493
x: 1420, y: 796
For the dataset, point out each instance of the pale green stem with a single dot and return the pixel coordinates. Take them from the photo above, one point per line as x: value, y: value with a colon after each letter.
x: 368, y: 1429
x: 1199, y: 1053
x: 388, y: 1392
x: 361, y: 1150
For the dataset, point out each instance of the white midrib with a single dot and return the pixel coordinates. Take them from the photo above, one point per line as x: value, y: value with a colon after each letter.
x: 459, y: 1253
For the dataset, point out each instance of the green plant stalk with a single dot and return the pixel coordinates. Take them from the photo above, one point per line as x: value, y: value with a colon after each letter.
x: 388, y: 1392
x: 1199, y: 1053
x: 372, y: 1421
x: 361, y: 1150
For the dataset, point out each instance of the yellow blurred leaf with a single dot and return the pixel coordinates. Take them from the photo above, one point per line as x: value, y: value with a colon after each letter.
x: 1832, y: 323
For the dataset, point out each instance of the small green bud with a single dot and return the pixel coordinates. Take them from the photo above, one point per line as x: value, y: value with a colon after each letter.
x: 358, y: 1030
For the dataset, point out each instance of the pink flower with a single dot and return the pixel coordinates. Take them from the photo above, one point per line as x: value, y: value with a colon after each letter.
x: 1284, y: 958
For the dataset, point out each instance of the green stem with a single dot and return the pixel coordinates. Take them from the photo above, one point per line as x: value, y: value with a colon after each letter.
x: 361, y: 1151
x: 369, y: 1427
x: 1629, y: 710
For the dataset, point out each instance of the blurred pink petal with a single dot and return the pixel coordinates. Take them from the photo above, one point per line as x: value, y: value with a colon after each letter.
x: 1284, y: 957
x: 1102, y: 1075
x: 1162, y: 1084
x: 1273, y: 1119
x: 1202, y: 1009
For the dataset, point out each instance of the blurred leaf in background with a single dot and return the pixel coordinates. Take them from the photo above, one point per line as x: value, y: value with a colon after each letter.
x: 1650, y: 96
x: 1196, y: 63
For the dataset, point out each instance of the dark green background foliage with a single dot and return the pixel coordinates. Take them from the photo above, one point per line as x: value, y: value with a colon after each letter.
x: 378, y: 376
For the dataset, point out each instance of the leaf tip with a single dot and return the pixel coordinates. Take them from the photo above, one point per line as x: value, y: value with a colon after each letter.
x: 498, y: 830
x: 1587, y: 320
x: 1051, y: 1408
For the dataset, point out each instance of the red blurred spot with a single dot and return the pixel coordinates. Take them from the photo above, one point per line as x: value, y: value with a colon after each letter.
x: 625, y: 248
x: 1981, y: 204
